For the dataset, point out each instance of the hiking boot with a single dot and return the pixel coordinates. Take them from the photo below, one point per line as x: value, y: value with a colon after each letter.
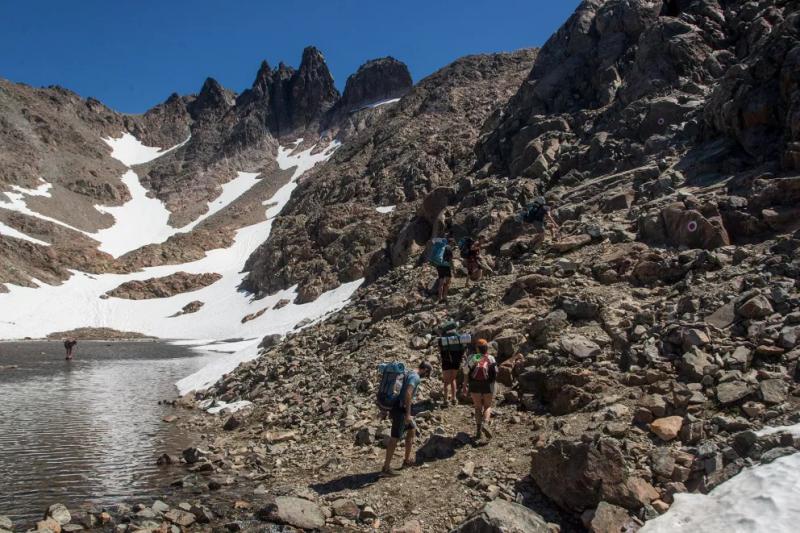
x: 389, y: 473
x: 455, y: 402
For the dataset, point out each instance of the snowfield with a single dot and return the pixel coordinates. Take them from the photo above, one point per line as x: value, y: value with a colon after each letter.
x: 759, y: 499
x: 35, y: 312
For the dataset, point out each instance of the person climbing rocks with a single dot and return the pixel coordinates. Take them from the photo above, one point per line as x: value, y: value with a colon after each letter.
x: 470, y: 250
x: 452, y: 347
x: 69, y: 346
x: 402, y: 420
x: 538, y: 214
x: 442, y: 258
x: 480, y: 377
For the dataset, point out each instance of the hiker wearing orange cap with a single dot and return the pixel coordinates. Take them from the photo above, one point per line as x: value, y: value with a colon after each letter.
x: 480, y: 377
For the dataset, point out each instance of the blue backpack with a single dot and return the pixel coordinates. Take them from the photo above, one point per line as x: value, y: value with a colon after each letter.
x: 393, y: 380
x: 438, y: 247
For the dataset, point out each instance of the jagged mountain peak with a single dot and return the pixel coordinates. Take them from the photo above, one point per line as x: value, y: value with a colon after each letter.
x: 377, y: 79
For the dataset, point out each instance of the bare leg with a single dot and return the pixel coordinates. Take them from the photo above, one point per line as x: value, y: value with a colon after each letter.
x: 410, y: 433
x: 453, y: 374
x: 486, y: 405
x: 445, y: 288
x: 477, y: 404
x: 390, y: 448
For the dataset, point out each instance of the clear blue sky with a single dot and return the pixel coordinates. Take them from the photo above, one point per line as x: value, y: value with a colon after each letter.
x: 132, y: 54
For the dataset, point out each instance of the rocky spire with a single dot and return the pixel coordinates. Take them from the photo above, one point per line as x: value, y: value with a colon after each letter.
x: 211, y: 98
x: 375, y: 80
x: 312, y: 89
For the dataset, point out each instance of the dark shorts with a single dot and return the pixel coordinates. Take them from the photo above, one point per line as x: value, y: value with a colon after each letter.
x: 451, y: 360
x: 444, y: 272
x: 399, y: 427
x: 481, y: 387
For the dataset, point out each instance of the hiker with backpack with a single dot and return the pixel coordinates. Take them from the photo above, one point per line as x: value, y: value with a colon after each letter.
x: 480, y: 378
x: 452, y: 347
x: 442, y: 258
x: 470, y: 250
x: 538, y: 214
x: 395, y: 397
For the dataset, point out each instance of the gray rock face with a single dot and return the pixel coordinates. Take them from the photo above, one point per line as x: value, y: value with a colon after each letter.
x: 500, y: 516
x: 330, y: 233
x: 375, y: 80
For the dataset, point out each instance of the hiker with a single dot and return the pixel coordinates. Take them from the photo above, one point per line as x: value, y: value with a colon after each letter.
x: 538, y: 214
x: 452, y: 347
x: 400, y: 414
x: 69, y: 346
x: 442, y: 259
x: 471, y: 250
x: 480, y: 377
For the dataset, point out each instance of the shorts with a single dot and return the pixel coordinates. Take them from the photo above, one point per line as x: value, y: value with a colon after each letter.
x: 451, y: 360
x: 444, y: 272
x: 481, y: 387
x: 399, y: 428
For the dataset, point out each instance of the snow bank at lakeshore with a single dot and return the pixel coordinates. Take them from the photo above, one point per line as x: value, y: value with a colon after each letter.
x: 130, y: 151
x: 385, y: 209
x: 759, y: 499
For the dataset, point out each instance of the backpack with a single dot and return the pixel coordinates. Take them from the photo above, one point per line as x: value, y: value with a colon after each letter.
x: 393, y: 380
x: 447, y: 328
x: 535, y: 211
x: 438, y: 248
x: 465, y: 246
x: 481, y: 370
x: 454, y: 342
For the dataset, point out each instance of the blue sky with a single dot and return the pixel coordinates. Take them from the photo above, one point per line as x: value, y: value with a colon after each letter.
x: 132, y: 54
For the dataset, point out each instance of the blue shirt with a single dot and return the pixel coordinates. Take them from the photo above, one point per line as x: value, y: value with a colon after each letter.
x: 412, y: 380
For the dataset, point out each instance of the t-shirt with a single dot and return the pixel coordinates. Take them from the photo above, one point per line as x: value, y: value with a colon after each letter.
x: 412, y: 380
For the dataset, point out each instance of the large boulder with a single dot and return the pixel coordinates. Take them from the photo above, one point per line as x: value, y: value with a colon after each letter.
x: 679, y: 225
x: 579, y: 475
x: 500, y: 516
x: 293, y: 511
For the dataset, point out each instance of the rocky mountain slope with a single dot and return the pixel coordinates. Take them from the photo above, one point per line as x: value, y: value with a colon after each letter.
x: 642, y: 349
x: 51, y: 140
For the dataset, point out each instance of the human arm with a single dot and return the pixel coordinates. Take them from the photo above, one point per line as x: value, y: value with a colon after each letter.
x: 409, y: 397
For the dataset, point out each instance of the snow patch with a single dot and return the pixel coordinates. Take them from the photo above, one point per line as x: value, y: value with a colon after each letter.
x: 217, y: 406
x: 130, y: 151
x: 793, y: 430
x: 139, y: 221
x: 385, y: 209
x: 16, y: 202
x: 8, y: 231
x: 378, y: 104
x: 762, y: 498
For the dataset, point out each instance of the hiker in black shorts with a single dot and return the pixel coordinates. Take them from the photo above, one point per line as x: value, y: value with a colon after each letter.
x: 69, y: 346
x: 452, y: 356
x: 445, y: 271
x: 403, y: 424
x: 480, y: 378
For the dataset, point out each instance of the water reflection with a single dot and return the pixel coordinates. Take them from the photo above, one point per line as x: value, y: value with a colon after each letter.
x: 89, y: 429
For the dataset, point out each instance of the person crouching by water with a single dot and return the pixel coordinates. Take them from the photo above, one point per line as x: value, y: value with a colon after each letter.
x: 69, y: 346
x: 402, y: 421
x: 480, y: 377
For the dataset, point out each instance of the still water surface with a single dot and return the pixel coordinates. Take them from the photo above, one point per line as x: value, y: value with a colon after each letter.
x: 89, y: 429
